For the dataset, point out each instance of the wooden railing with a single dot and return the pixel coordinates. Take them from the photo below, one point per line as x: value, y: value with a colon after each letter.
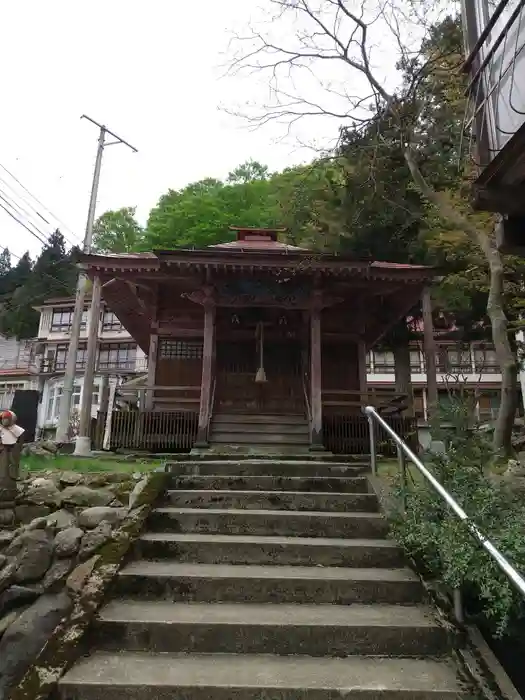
x: 154, y: 431
x: 343, y: 400
x: 345, y: 428
x: 348, y: 434
x: 160, y: 397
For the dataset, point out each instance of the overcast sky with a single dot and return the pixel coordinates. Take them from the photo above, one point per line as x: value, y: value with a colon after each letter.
x: 151, y: 71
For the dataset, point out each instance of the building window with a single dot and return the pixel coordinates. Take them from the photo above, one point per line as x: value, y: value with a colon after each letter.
x: 415, y: 361
x: 57, y: 361
x: 384, y: 362
x: 180, y: 349
x: 54, y: 400
x: 53, y: 404
x: 117, y: 356
x: 62, y: 319
x: 7, y: 393
x: 456, y: 361
x: 486, y: 361
x: 75, y: 401
x: 110, y: 322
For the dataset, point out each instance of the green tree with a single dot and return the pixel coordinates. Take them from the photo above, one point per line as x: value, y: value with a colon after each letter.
x: 423, y: 116
x: 201, y: 213
x: 251, y: 170
x: 117, y: 231
x: 53, y: 274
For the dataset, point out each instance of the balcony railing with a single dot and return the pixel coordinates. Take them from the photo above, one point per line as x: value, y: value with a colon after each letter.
x: 52, y: 365
x: 496, y: 67
x: 132, y: 365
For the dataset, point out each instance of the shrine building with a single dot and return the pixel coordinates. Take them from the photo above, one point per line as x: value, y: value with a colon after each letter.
x: 253, y: 344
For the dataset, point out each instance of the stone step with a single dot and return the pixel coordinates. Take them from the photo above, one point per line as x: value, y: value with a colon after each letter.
x: 258, y: 428
x: 287, y: 551
x: 216, y: 583
x: 326, y: 484
x: 361, y: 459
x: 268, y: 522
x: 147, y: 676
x: 241, y: 436
x: 271, y: 500
x: 260, y: 419
x: 266, y: 467
x: 258, y: 450
x: 313, y: 630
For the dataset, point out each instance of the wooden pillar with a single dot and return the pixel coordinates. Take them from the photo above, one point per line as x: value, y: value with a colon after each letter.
x: 152, y: 371
x: 316, y: 398
x: 429, y: 345
x: 208, y: 353
x: 363, y: 382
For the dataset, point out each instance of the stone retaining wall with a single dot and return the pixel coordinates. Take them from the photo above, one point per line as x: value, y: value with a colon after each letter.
x: 55, y: 568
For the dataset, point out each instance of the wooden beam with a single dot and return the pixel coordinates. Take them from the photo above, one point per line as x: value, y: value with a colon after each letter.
x: 361, y: 361
x: 207, y: 373
x: 316, y: 401
x: 152, y: 369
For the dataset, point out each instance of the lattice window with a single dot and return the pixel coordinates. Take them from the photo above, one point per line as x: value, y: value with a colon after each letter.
x: 180, y: 349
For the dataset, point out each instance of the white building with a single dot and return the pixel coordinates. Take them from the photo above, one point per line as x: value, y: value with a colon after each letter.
x: 18, y: 369
x: 118, y: 357
x: 470, y: 368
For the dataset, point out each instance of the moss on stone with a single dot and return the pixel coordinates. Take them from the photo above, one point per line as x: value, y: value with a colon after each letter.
x: 62, y: 648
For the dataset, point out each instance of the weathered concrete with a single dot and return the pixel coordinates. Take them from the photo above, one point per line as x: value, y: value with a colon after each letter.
x: 271, y: 500
x: 325, y: 484
x: 314, y: 630
x: 259, y: 584
x: 144, y: 676
x: 264, y: 522
x: 258, y: 467
x: 248, y: 584
x: 250, y: 549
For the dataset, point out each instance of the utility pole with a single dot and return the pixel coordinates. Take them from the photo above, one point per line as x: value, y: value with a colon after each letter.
x: 76, y: 322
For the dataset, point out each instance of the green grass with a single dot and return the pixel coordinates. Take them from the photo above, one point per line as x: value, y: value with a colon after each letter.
x: 90, y: 465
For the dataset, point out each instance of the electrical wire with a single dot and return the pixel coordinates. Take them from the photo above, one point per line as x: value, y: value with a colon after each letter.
x: 44, y: 242
x: 65, y: 226
x: 28, y: 216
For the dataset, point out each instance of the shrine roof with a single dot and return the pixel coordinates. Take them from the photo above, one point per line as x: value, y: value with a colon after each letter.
x: 253, y: 248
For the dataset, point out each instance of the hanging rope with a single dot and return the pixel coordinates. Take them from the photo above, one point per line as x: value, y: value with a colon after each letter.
x: 260, y: 377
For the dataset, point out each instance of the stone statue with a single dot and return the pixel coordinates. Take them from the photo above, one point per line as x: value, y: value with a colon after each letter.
x: 10, y: 451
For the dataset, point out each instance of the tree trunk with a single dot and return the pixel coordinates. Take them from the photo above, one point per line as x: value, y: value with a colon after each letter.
x: 404, y: 376
x: 495, y: 307
x: 502, y: 440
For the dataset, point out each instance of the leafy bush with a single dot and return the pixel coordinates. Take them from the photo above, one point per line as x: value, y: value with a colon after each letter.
x: 441, y: 544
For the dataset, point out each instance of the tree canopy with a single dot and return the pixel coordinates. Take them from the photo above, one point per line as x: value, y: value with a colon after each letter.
x: 27, y: 284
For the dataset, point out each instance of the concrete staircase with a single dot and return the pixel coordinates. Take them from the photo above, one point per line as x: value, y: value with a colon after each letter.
x: 260, y: 433
x: 266, y: 580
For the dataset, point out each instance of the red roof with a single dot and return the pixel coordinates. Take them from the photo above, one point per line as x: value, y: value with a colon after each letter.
x: 257, y: 239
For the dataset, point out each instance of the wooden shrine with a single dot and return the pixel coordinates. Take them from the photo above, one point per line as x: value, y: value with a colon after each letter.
x: 255, y: 326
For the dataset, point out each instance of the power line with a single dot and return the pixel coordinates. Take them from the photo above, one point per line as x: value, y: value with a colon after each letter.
x: 39, y: 202
x: 21, y: 211
x: 29, y: 215
x: 44, y: 242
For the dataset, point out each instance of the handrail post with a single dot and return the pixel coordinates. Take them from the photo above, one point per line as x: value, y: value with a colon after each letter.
x: 373, y: 448
x: 458, y: 606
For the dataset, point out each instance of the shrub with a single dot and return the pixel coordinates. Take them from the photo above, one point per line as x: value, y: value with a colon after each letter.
x: 441, y: 544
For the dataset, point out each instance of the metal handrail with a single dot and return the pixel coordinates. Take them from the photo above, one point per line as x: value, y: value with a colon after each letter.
x: 405, y: 451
